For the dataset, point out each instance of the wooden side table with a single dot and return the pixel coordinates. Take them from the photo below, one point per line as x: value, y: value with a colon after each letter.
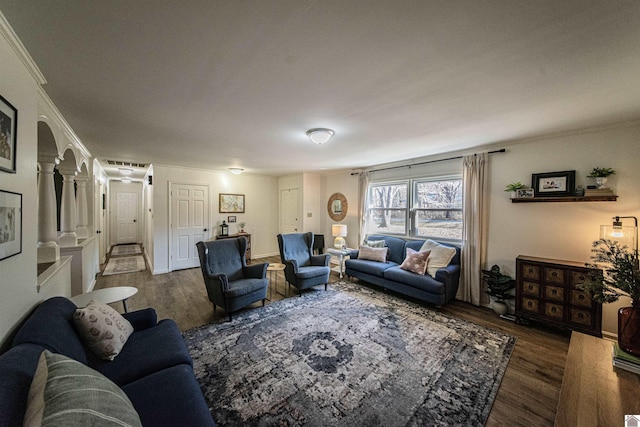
x: 271, y: 268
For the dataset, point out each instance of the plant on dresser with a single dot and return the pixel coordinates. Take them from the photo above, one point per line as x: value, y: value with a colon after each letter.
x: 549, y: 291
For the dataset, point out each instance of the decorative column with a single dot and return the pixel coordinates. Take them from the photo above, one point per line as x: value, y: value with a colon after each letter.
x: 48, y: 249
x: 81, y: 207
x: 69, y: 237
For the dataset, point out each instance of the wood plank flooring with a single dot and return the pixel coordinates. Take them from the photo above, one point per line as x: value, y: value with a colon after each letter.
x: 529, y: 391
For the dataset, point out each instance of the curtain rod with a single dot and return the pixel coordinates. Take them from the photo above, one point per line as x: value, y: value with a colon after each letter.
x: 502, y: 150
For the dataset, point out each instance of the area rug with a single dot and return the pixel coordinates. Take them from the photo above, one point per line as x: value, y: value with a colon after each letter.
x: 122, y: 265
x: 348, y: 356
x: 126, y: 250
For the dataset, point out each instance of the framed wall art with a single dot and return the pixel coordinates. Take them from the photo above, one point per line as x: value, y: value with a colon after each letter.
x: 231, y: 219
x: 8, y: 136
x: 10, y: 224
x: 524, y: 193
x: 553, y: 183
x: 231, y: 203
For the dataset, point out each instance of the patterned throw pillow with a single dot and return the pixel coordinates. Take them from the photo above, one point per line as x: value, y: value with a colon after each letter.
x: 373, y: 254
x: 416, y: 262
x: 64, y: 392
x: 375, y: 243
x: 102, y: 329
x: 440, y: 257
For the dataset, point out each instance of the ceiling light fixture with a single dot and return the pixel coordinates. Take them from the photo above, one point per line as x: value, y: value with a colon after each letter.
x: 320, y: 135
x: 126, y: 180
x: 125, y: 171
x: 236, y: 171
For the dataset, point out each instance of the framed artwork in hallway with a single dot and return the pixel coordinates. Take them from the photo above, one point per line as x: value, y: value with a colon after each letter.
x: 8, y: 131
x: 10, y: 224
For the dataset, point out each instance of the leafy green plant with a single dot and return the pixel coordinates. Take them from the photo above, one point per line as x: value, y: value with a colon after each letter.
x: 242, y: 224
x: 599, y: 172
x: 614, y: 272
x: 514, y: 186
x: 499, y: 284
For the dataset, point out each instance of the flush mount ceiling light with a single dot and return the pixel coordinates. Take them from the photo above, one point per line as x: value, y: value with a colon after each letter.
x: 320, y: 135
x: 126, y: 180
x: 236, y: 171
x: 125, y: 171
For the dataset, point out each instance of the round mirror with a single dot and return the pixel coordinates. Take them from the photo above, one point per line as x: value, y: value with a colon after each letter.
x: 337, y: 206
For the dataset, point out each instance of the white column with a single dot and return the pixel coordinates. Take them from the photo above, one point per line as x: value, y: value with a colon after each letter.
x: 69, y: 236
x: 82, y: 210
x: 48, y: 249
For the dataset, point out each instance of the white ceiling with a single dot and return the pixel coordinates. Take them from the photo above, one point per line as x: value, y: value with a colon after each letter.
x: 215, y: 83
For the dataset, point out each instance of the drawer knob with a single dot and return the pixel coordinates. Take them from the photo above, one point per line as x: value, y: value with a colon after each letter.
x: 529, y: 304
x: 554, y: 274
x: 553, y: 309
x: 581, y: 297
x: 554, y: 292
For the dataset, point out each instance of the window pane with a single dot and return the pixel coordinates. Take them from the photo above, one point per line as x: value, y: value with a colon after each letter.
x: 439, y: 224
x: 388, y: 196
x: 386, y: 221
x: 439, y: 194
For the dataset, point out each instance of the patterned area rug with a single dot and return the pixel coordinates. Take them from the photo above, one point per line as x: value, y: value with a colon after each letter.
x: 348, y: 356
x: 126, y: 250
x: 122, y: 265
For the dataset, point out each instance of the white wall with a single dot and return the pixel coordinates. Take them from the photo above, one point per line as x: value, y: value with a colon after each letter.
x: 347, y: 184
x: 18, y: 274
x: 562, y: 231
x: 261, y: 208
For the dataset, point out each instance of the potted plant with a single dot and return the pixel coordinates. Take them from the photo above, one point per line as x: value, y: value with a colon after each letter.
x: 513, y: 187
x: 499, y: 286
x: 614, y: 274
x: 241, y: 224
x: 601, y: 175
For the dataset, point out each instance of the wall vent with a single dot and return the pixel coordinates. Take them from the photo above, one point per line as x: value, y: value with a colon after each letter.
x: 124, y: 163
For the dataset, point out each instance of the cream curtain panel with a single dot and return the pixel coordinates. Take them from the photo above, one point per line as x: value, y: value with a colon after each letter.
x: 474, y: 232
x: 363, y: 185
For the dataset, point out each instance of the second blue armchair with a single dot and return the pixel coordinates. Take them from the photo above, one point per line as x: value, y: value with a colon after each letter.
x: 303, y: 269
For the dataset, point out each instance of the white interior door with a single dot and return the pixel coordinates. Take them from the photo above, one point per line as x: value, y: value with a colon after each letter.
x: 126, y: 218
x: 189, y: 223
x: 289, y: 211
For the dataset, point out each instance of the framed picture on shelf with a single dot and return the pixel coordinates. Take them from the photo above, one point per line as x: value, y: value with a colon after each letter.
x: 524, y: 193
x: 231, y: 203
x: 8, y: 136
x: 10, y: 224
x: 231, y: 219
x: 550, y: 184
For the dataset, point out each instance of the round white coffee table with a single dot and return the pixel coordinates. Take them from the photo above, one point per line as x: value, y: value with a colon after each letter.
x: 271, y: 268
x: 107, y: 296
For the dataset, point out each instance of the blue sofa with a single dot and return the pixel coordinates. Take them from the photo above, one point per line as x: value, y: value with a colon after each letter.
x: 154, y: 368
x: 437, y: 290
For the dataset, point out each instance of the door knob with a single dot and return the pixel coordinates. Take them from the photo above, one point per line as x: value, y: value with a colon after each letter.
x: 134, y: 220
x: 204, y: 230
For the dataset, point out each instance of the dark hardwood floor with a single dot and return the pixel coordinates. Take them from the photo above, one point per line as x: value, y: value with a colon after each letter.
x: 530, y: 388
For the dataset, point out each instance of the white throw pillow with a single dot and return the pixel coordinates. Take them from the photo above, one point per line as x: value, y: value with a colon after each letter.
x: 102, y: 329
x: 375, y: 243
x: 440, y: 256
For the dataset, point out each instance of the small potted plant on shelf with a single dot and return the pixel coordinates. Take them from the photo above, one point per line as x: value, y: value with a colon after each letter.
x: 499, y: 286
x: 601, y: 175
x: 241, y: 224
x: 513, y: 187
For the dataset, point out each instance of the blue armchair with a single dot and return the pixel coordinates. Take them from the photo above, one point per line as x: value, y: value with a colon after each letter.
x: 231, y: 284
x: 303, y: 269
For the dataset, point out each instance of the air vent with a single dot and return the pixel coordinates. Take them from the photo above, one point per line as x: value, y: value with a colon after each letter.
x: 123, y: 163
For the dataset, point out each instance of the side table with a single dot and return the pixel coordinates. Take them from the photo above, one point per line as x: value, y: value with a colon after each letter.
x: 107, y: 296
x: 271, y: 268
x: 340, y: 253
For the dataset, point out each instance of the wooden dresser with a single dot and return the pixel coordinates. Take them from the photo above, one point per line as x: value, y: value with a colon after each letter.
x: 233, y: 236
x: 546, y: 292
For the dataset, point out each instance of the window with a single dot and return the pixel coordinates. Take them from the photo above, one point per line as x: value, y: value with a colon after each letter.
x: 416, y: 208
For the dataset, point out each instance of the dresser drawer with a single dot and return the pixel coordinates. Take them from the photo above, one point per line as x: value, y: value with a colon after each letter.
x: 530, y: 288
x: 554, y: 293
x: 580, y: 317
x: 581, y: 298
x: 579, y: 277
x: 554, y: 311
x: 554, y: 275
x: 531, y: 272
x: 530, y: 305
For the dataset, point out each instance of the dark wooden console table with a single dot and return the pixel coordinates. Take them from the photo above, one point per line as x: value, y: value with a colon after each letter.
x: 233, y: 236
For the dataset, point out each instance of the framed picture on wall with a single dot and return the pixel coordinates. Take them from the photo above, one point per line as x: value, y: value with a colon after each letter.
x: 8, y: 136
x: 231, y: 219
x: 231, y: 203
x: 553, y: 183
x: 10, y: 224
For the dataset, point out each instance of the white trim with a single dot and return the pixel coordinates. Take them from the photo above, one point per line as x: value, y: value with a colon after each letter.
x: 12, y: 38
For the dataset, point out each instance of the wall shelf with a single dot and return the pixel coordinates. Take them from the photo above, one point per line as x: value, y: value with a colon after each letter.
x: 565, y: 199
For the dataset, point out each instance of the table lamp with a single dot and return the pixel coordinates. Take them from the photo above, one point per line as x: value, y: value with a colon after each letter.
x: 339, y: 231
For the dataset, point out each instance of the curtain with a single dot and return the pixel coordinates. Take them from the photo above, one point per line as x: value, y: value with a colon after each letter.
x: 474, y: 231
x: 363, y: 186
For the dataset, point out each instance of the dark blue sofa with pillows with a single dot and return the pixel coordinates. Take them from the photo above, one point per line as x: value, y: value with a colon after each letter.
x: 153, y: 368
x: 438, y: 289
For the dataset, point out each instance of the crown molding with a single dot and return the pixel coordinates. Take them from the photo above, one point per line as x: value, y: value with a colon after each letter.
x: 12, y: 38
